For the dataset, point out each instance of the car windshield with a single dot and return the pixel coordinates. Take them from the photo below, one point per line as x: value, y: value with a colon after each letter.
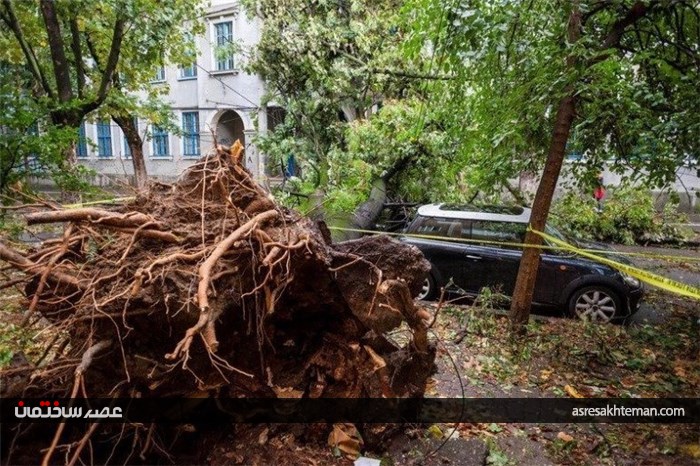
x: 550, y: 230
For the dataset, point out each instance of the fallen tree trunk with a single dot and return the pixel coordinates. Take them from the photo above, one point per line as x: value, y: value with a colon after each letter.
x: 251, y: 300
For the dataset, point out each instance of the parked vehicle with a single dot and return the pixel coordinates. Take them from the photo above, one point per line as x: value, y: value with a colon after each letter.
x: 587, y: 289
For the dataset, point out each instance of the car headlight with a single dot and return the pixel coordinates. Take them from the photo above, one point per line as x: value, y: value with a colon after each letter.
x: 630, y: 281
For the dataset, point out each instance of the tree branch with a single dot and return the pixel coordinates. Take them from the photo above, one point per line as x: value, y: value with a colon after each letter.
x: 77, y: 54
x: 13, y: 23
x: 406, y: 74
x: 58, y: 56
x: 634, y: 14
x: 113, y: 58
x: 93, y: 52
x: 111, y: 65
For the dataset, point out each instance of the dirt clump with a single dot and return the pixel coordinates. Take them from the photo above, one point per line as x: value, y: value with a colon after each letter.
x: 208, y: 288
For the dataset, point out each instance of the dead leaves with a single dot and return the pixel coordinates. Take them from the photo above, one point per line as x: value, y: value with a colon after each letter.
x: 345, y: 440
x: 571, y: 391
x: 563, y: 436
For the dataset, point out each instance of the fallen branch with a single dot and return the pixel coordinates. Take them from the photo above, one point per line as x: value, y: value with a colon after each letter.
x: 106, y: 217
x: 32, y: 268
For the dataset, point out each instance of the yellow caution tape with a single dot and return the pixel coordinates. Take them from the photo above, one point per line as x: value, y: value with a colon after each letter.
x: 520, y: 245
x: 647, y: 277
x: 115, y: 200
x: 443, y: 238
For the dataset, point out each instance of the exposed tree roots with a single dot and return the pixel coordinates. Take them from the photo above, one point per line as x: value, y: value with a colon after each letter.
x: 208, y: 288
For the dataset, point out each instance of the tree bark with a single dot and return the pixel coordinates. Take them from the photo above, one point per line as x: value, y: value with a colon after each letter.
x: 530, y: 262
x: 135, y: 142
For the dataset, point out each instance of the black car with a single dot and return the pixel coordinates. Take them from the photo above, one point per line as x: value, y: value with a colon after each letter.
x: 587, y: 289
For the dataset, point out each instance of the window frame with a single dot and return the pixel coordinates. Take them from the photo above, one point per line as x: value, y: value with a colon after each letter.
x: 159, y: 133
x: 102, y: 139
x: 190, y: 133
x: 216, y: 43
x: 81, y: 148
x: 182, y: 76
x: 160, y: 70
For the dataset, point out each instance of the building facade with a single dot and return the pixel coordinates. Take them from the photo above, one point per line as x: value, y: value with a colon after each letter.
x: 212, y: 98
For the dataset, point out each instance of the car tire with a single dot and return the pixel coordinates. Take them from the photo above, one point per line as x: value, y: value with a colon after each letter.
x: 429, y: 290
x: 595, y: 303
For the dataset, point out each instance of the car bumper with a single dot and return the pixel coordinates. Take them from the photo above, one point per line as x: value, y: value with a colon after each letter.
x: 634, y: 299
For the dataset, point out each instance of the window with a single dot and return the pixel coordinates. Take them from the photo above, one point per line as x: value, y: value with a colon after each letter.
x: 498, y: 231
x: 160, y: 142
x: 160, y: 74
x: 190, y: 133
x: 189, y: 71
x: 224, y: 39
x: 81, y: 149
x: 433, y: 226
x: 104, y: 138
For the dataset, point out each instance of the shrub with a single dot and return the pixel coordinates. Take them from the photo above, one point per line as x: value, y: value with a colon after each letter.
x: 628, y: 216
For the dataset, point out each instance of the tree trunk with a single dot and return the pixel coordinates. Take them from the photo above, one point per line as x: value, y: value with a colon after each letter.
x: 70, y: 156
x: 135, y: 142
x: 368, y: 212
x: 530, y: 262
x: 364, y: 216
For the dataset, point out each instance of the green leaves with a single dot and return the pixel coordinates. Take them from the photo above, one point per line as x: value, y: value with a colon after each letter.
x: 628, y: 217
x: 509, y: 62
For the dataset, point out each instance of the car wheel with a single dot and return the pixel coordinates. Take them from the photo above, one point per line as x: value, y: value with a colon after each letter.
x: 429, y: 290
x: 595, y: 304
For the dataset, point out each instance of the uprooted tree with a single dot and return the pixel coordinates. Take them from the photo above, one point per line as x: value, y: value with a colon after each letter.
x: 209, y: 286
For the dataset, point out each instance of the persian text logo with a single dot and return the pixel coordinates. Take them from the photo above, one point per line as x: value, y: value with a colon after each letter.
x: 45, y: 410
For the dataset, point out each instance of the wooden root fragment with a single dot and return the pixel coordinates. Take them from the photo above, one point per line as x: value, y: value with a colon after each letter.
x: 45, y: 274
x: 28, y: 266
x: 146, y: 233
x: 79, y: 371
x: 106, y: 217
x: 205, y: 324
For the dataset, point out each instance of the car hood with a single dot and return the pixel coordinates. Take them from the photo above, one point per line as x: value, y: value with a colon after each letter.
x: 605, y: 249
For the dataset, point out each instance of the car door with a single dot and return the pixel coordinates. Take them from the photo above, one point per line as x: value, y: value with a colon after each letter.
x: 438, y: 238
x: 499, y: 263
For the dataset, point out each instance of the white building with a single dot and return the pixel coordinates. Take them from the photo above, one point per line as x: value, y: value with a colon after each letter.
x: 212, y: 96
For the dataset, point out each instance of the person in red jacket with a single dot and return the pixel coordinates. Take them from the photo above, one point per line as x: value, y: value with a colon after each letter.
x: 599, y: 193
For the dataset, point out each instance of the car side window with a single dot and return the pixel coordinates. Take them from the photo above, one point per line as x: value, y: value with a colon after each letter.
x: 436, y: 226
x: 498, y: 231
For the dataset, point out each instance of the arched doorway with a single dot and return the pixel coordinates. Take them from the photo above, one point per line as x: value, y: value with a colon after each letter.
x: 229, y: 128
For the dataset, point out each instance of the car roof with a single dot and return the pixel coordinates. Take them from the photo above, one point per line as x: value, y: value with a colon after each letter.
x: 494, y: 213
